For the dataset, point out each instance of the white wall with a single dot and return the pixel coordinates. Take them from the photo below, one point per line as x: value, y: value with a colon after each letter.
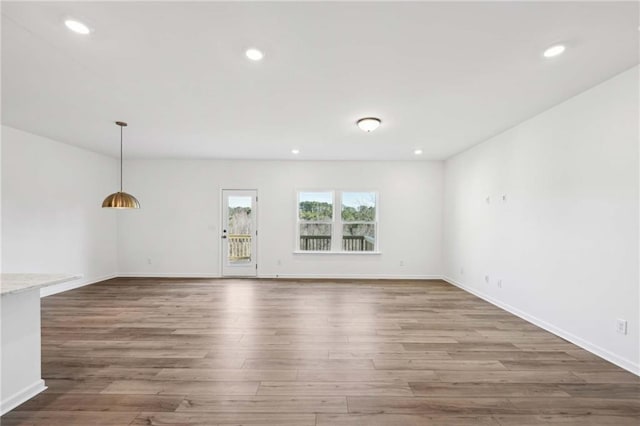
x: 51, y: 215
x: 565, y: 242
x: 178, y: 226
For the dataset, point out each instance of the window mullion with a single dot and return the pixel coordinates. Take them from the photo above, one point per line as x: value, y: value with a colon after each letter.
x: 336, y: 233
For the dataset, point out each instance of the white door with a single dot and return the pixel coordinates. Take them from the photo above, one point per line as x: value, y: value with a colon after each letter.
x: 239, y: 232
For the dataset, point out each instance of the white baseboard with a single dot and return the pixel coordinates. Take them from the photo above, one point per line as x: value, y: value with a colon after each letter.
x: 584, y: 344
x: 59, y: 288
x: 352, y: 276
x: 285, y: 276
x: 168, y: 275
x: 24, y: 395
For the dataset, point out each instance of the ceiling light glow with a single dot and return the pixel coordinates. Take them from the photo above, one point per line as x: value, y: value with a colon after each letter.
x: 554, y: 50
x: 295, y: 151
x: 417, y: 152
x: 77, y: 26
x: 254, y: 54
x: 368, y: 124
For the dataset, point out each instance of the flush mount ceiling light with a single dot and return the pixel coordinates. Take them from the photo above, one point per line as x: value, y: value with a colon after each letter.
x: 417, y: 152
x: 77, y: 26
x: 120, y: 199
x: 555, y: 50
x: 295, y: 151
x: 254, y: 54
x: 368, y: 124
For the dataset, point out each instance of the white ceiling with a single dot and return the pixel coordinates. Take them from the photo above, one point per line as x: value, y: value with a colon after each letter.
x: 441, y: 76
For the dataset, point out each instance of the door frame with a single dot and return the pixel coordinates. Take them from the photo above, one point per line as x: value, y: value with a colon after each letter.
x: 226, y: 269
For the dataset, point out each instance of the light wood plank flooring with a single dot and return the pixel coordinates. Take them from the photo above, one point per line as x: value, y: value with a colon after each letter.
x: 288, y: 353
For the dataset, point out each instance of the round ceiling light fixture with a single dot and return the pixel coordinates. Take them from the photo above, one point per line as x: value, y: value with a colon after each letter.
x: 417, y: 152
x: 254, y: 54
x: 368, y: 124
x: 77, y: 26
x: 295, y: 151
x: 555, y: 50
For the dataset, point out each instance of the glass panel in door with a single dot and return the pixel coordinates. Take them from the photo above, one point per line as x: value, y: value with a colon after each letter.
x: 239, y: 233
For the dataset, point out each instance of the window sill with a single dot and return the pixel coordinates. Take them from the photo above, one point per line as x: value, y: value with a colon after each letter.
x: 350, y: 253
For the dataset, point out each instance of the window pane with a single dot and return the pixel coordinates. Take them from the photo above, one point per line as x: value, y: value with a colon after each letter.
x: 315, y: 236
x: 239, y: 222
x: 359, y: 237
x: 315, y: 206
x: 358, y: 206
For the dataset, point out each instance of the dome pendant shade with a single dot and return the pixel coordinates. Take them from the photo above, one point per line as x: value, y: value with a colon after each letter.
x: 121, y: 200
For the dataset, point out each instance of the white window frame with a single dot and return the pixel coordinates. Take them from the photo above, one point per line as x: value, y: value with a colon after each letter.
x: 331, y: 222
x: 337, y: 223
x: 374, y: 222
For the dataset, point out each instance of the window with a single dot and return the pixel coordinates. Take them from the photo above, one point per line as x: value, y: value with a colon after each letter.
x: 358, y: 221
x: 320, y: 229
x: 315, y: 220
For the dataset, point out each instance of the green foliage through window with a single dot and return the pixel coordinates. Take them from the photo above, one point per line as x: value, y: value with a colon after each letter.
x: 315, y: 211
x: 359, y: 214
x: 358, y: 206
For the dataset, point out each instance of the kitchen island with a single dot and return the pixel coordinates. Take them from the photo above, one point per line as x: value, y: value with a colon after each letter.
x: 20, y: 377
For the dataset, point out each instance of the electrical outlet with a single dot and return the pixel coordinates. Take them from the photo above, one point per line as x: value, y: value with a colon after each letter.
x: 279, y: 262
x: 621, y: 326
x: 488, y: 200
x: 499, y: 283
x: 402, y: 263
x: 504, y: 198
x: 149, y: 260
x: 486, y: 279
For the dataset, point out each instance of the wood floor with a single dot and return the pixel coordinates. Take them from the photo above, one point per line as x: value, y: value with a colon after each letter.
x: 286, y: 353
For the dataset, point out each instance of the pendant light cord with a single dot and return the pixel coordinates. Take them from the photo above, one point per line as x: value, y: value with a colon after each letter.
x: 120, y: 158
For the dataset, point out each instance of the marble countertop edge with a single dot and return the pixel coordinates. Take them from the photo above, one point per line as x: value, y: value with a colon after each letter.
x: 20, y: 282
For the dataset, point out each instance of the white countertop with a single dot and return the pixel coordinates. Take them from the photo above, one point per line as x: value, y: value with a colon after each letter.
x: 16, y: 283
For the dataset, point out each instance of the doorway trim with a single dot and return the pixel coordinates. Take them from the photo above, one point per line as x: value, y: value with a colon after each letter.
x: 239, y: 268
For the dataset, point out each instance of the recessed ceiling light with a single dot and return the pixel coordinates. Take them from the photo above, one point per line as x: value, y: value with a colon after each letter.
x: 554, y: 50
x: 295, y: 151
x: 77, y: 26
x: 368, y: 124
x: 254, y: 54
x: 417, y: 152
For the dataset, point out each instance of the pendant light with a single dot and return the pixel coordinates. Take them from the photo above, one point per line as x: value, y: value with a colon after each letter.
x: 120, y: 199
